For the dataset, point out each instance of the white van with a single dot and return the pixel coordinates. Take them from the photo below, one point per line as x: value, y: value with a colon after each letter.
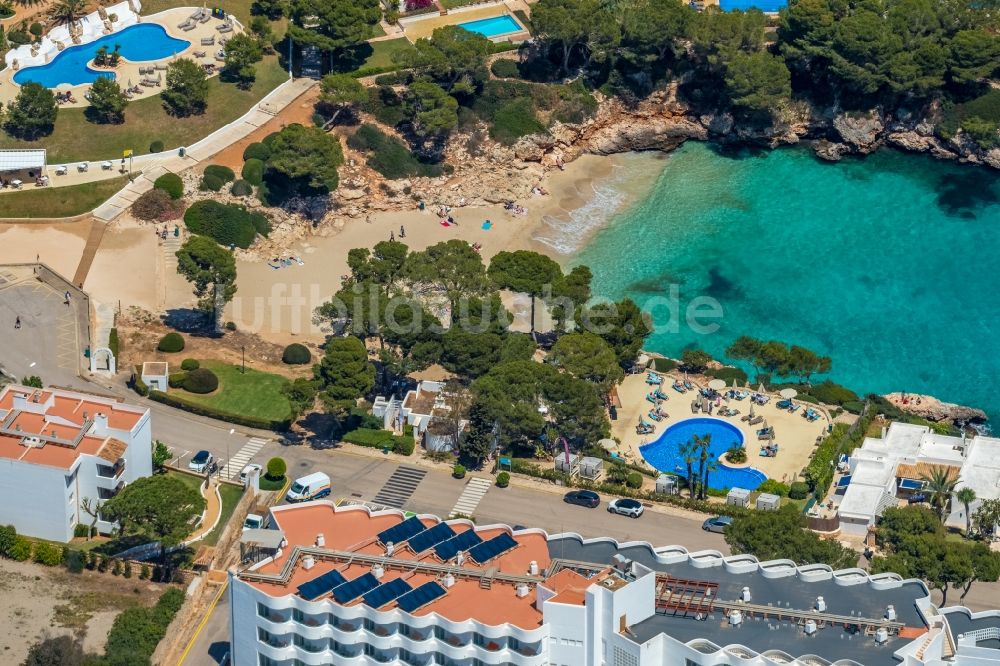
x: 310, y: 487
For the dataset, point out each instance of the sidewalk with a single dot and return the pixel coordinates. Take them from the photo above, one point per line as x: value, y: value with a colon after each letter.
x: 213, y: 511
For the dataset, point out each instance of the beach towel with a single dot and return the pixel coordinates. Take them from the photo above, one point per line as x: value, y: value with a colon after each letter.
x: 444, y: 223
x: 487, y: 225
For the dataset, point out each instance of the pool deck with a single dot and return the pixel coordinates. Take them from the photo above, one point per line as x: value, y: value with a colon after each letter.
x: 128, y: 71
x: 422, y: 26
x: 795, y: 435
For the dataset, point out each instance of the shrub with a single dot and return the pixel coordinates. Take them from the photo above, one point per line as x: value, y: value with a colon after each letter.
x: 74, y: 561
x: 241, y: 188
x: 190, y: 364
x: 20, y: 550
x: 201, y: 381
x: 48, y: 554
x: 156, y: 147
x: 81, y: 531
x: 388, y: 155
x: 774, y: 487
x: 210, y: 183
x: 171, y: 343
x: 798, y: 490
x: 114, y: 344
x: 36, y: 29
x: 137, y: 631
x: 296, y: 354
x: 116, y: 567
x: 728, y: 374
x: 127, y: 569
x: 276, y: 468
x: 385, y: 105
x: 253, y: 171
x: 18, y: 37
x: 176, y: 379
x: 515, y: 120
x: 170, y: 183
x: 223, y: 173
x: 503, y: 479
x: 156, y: 206
x: 458, y: 471
x: 505, y: 69
x: 633, y: 480
x: 737, y: 455
x: 227, y: 224
x: 144, y: 572
x: 256, y: 151
x: 376, y: 438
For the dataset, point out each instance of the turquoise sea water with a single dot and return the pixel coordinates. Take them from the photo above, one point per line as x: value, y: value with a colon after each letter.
x: 889, y: 264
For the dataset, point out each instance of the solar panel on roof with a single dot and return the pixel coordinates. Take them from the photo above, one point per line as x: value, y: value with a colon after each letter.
x: 450, y: 548
x: 353, y: 589
x: 383, y: 594
x: 420, y: 597
x: 430, y: 538
x: 319, y: 586
x: 397, y: 534
x: 487, y: 550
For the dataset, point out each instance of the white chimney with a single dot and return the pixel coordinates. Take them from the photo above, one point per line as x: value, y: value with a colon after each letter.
x: 890, y: 613
x: 820, y: 605
x: 20, y: 402
x: 378, y: 571
x: 308, y: 562
x: 390, y: 548
x: 810, y: 627
x: 533, y: 568
x: 284, y: 543
x: 522, y: 590
x: 881, y: 635
x: 100, y: 424
x: 736, y: 618
x: 460, y: 559
x: 320, y: 540
x: 745, y: 595
x: 448, y: 580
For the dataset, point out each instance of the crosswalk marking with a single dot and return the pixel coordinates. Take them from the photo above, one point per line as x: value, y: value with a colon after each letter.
x: 469, y: 500
x: 400, y: 486
x: 236, y: 464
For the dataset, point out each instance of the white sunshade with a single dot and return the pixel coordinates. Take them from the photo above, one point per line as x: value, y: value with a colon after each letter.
x: 16, y: 160
x: 717, y: 384
x: 788, y: 393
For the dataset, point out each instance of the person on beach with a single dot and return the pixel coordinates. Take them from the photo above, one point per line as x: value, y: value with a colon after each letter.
x: 17, y: 322
x: 66, y: 297
x: 402, y: 231
x: 392, y: 237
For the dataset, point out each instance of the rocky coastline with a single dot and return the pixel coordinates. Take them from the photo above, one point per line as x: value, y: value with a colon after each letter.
x: 930, y: 408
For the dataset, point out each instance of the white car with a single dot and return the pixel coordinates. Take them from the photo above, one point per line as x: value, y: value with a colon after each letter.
x: 201, y: 463
x: 626, y: 507
x: 245, y: 472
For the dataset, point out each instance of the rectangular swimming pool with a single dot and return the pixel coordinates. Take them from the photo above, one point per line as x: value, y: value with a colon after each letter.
x: 493, y: 26
x: 767, y: 6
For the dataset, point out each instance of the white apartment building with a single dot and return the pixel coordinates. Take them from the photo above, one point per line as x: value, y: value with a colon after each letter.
x: 346, y: 586
x: 884, y: 471
x: 59, y: 448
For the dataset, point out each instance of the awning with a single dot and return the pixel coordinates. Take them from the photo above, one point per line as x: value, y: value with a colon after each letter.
x: 270, y: 539
x: 18, y: 159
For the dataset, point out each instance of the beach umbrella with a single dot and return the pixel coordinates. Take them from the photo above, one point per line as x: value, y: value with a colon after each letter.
x: 788, y: 393
x: 760, y: 389
x: 608, y: 444
x: 64, y: 87
x: 717, y: 384
x: 751, y: 410
x: 734, y: 383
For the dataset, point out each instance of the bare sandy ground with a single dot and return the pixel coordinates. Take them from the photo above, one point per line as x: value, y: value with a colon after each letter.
x: 278, y: 303
x: 125, y: 269
x: 44, y: 601
x: 57, y: 245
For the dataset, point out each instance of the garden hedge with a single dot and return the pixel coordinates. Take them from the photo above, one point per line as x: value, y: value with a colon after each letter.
x: 380, y: 439
x: 176, y: 379
x: 256, y: 151
x: 223, y: 173
x: 211, y: 183
x: 190, y: 364
x: 170, y: 183
x: 798, y: 490
x: 202, y: 410
x: 296, y: 354
x: 137, y: 631
x: 171, y: 343
x: 253, y: 171
x: 201, y: 381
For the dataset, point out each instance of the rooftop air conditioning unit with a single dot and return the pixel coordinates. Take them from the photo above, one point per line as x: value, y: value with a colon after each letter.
x: 448, y: 580
x: 378, y: 571
x: 881, y: 635
x: 320, y: 540
x: 308, y: 562
x: 736, y: 618
x: 810, y: 627
x: 522, y: 590
x: 820, y: 605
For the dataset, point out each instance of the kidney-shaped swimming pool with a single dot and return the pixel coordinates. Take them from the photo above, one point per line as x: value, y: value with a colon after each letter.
x: 664, y: 453
x: 138, y: 43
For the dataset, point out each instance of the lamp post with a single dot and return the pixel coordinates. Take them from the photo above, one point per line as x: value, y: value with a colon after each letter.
x: 243, y: 352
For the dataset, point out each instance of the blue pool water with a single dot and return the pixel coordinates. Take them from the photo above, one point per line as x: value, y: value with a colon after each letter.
x: 491, y: 27
x: 743, y: 5
x: 139, y: 43
x: 663, y: 453
x: 885, y: 263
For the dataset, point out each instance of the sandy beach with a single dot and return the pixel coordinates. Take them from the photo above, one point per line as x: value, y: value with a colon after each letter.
x: 57, y: 245
x: 278, y: 303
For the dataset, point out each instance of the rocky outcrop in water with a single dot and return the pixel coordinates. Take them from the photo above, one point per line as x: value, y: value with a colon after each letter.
x: 930, y: 408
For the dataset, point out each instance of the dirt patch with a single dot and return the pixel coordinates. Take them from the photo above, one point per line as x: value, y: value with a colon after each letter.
x: 41, y: 601
x: 140, y: 331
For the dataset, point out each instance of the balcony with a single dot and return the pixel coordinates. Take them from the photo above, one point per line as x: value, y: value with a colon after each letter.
x: 106, y: 492
x: 111, y: 473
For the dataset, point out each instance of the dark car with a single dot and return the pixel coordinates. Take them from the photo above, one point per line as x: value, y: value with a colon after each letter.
x: 626, y: 506
x: 587, y: 498
x: 717, y: 524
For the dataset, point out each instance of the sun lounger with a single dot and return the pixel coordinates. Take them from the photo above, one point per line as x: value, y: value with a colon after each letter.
x: 161, y: 67
x: 208, y: 41
x: 204, y: 18
x: 225, y: 27
x: 184, y: 25
x: 755, y: 420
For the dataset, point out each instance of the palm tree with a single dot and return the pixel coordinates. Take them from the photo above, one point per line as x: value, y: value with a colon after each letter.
x: 701, y: 444
x: 966, y: 496
x: 68, y: 11
x: 940, y: 484
x: 710, y: 466
x: 687, y: 451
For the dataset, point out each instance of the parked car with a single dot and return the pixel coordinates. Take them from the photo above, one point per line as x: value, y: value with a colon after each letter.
x: 626, y: 507
x: 253, y: 522
x: 202, y: 462
x: 245, y: 472
x: 587, y: 498
x: 717, y: 524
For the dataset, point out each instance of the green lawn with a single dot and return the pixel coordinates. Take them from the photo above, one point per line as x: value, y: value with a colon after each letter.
x: 230, y: 498
x: 255, y: 393
x: 240, y: 8
x: 451, y: 4
x: 76, y: 138
x: 67, y: 201
x: 382, y: 52
x: 194, y: 482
